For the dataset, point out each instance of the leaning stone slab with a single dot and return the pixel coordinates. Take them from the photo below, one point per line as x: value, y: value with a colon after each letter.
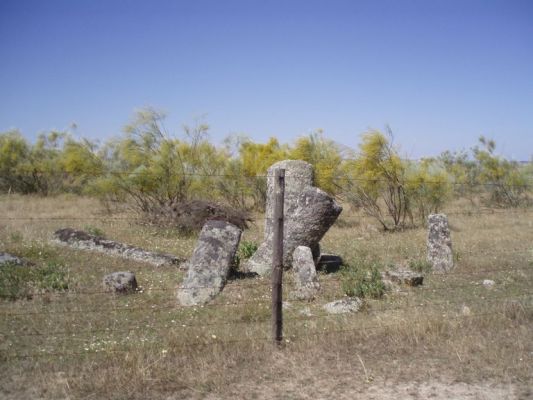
x: 313, y: 215
x: 439, y: 243
x: 210, y: 263
x: 6, y: 258
x: 120, y: 282
x: 404, y: 277
x: 86, y: 241
x: 351, y: 304
x: 305, y: 277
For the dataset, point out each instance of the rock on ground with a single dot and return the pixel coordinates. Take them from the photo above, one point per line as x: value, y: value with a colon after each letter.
x: 488, y: 283
x: 439, y: 243
x: 404, y: 277
x: 209, y: 266
x: 305, y: 276
x: 84, y: 240
x: 120, y: 282
x: 6, y: 258
x: 343, y: 306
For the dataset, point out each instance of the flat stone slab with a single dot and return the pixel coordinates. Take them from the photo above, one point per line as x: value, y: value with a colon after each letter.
x: 85, y: 241
x: 210, y: 263
x: 6, y: 258
x: 344, y: 306
x: 120, y: 282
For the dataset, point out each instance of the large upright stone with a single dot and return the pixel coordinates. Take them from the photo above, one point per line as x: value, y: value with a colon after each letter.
x: 306, y: 283
x: 298, y: 176
x: 314, y: 213
x: 439, y: 243
x: 210, y: 263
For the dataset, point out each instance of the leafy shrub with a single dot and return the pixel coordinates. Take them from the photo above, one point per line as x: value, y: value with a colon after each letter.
x: 362, y: 279
x: 245, y: 251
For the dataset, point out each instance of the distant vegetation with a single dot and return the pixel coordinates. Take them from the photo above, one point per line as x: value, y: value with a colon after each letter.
x: 151, y: 170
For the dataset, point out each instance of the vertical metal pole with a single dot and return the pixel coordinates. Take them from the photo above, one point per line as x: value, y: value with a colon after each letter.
x: 277, y: 256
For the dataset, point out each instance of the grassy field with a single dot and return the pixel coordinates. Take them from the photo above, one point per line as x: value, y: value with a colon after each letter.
x: 452, y: 337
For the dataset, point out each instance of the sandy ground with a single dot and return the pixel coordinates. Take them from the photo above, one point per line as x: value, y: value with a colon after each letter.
x: 331, y: 389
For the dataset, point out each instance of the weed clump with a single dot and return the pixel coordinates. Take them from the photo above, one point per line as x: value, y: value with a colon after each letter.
x: 362, y: 278
x: 420, y: 265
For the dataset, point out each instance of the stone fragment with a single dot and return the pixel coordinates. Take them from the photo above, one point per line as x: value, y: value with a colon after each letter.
x: 465, y: 310
x: 488, y: 283
x: 305, y: 277
x: 343, y: 306
x: 84, y: 240
x: 313, y: 215
x: 404, y: 277
x: 6, y: 258
x: 209, y: 266
x: 120, y: 282
x: 439, y: 243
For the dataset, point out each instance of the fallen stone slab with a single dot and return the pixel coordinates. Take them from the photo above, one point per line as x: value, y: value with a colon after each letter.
x: 403, y: 277
x: 305, y: 276
x: 6, y: 258
x: 439, y: 243
x: 343, y: 306
x: 83, y: 240
x: 210, y: 264
x: 120, y: 282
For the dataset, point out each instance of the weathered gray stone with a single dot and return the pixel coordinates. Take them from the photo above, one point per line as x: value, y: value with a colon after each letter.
x: 403, y: 277
x: 343, y: 306
x: 488, y: 283
x: 439, y: 243
x: 210, y: 263
x: 313, y: 215
x: 298, y: 176
x: 6, y: 258
x: 305, y: 277
x: 86, y: 241
x: 120, y: 282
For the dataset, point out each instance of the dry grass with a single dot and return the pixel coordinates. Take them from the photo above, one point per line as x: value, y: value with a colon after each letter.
x: 85, y: 344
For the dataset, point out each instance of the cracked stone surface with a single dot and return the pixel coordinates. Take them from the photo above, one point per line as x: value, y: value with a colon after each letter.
x: 120, y: 282
x: 439, y: 244
x: 343, y: 306
x: 83, y: 240
x: 305, y: 276
x: 209, y: 266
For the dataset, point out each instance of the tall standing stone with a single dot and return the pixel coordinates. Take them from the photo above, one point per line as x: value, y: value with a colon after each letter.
x: 308, y: 214
x: 210, y: 263
x: 439, y: 243
x: 298, y: 176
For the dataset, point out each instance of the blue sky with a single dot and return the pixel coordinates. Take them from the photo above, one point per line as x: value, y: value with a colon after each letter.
x: 440, y: 73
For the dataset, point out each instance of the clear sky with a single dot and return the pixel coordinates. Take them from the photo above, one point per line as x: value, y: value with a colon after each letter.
x: 440, y: 73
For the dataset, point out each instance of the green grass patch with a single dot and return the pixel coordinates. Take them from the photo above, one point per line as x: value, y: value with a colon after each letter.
x: 21, y: 281
x: 362, y: 278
